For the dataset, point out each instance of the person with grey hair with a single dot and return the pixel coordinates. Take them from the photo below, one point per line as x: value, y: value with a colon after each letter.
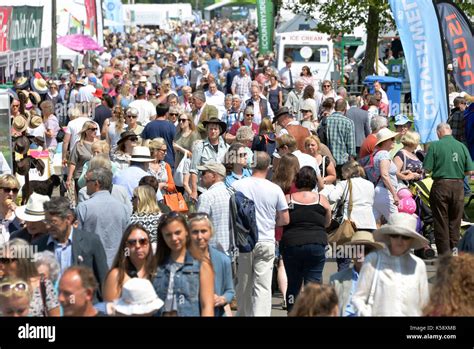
x: 202, y: 112
x: 449, y: 161
x: 254, y: 296
x: 368, y: 145
x: 48, y: 266
x: 361, y: 122
x: 108, y: 225
x: 294, y: 99
x: 70, y: 245
x: 248, y: 118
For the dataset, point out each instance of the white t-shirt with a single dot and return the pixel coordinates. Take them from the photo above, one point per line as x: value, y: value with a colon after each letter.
x: 75, y: 126
x: 307, y: 160
x: 217, y: 100
x: 145, y: 110
x: 268, y: 198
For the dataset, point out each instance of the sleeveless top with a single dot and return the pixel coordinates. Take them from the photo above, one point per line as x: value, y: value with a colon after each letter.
x: 307, y: 224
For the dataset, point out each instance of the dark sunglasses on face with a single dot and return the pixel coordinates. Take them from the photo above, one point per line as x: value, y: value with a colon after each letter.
x: 7, y: 190
x: 326, y: 85
x: 249, y: 115
x: 305, y: 111
x: 16, y: 287
x: 4, y: 260
x: 395, y: 236
x: 92, y: 129
x: 174, y: 114
x: 183, y: 120
x: 133, y: 139
x: 141, y: 242
x: 132, y: 116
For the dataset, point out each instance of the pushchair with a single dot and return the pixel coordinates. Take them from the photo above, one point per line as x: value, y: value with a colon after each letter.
x: 421, y: 192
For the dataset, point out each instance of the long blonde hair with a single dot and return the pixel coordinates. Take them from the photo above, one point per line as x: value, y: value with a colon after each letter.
x: 146, y: 199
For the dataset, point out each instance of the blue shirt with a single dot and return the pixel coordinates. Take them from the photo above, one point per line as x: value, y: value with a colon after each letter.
x: 214, y: 67
x: 350, y: 310
x: 232, y: 177
x: 223, y: 284
x: 179, y: 81
x: 63, y: 252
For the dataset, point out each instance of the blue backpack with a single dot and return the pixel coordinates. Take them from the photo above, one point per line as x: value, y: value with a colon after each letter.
x: 367, y: 162
x: 243, y: 222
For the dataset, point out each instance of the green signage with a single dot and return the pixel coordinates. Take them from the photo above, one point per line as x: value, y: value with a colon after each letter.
x: 25, y: 27
x: 265, y: 25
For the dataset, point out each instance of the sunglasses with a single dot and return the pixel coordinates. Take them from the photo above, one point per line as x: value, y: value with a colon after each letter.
x: 132, y: 116
x: 248, y: 114
x: 133, y: 139
x: 183, y: 120
x: 173, y: 114
x: 7, y: 289
x: 326, y: 85
x: 198, y: 215
x: 92, y: 129
x: 163, y: 150
x: 7, y: 190
x: 5, y: 260
x: 305, y: 111
x: 141, y: 242
x: 396, y: 236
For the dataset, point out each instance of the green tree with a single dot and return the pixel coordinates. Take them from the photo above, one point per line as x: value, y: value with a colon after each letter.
x: 338, y: 17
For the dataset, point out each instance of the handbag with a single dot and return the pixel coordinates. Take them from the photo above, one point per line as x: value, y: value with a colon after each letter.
x: 175, y: 201
x: 338, y: 213
x: 347, y: 229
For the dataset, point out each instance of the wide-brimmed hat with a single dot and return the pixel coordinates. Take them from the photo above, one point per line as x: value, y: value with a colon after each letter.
x: 141, y: 154
x: 35, y: 98
x: 282, y: 111
x: 366, y: 238
x: 401, y: 119
x: 21, y: 83
x: 126, y: 135
x: 35, y: 121
x: 138, y: 298
x: 33, y: 211
x: 213, y: 167
x: 19, y: 123
x: 385, y: 134
x: 401, y: 224
x: 221, y: 124
x: 143, y: 79
x: 81, y: 82
x: 39, y: 85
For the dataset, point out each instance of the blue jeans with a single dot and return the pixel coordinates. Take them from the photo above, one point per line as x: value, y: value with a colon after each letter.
x: 303, y: 263
x: 467, y: 188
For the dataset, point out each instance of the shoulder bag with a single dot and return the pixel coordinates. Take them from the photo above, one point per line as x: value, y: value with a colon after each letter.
x: 347, y: 229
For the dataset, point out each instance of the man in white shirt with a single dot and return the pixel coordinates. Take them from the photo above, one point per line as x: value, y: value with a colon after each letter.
x: 216, y: 98
x: 261, y: 106
x: 254, y: 290
x: 86, y: 92
x: 287, y: 77
x: 146, y: 110
x: 378, y: 87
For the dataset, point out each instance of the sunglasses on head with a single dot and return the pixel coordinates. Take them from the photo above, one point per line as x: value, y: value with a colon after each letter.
x: 5, y: 260
x: 141, y: 242
x: 7, y: 190
x: 7, y: 289
x: 198, y: 215
x: 396, y: 236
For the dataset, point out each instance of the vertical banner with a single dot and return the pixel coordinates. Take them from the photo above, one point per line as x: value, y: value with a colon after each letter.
x: 113, y: 12
x: 459, y: 38
x: 26, y: 25
x: 421, y: 39
x: 91, y: 17
x: 5, y: 13
x: 5, y: 138
x: 265, y: 25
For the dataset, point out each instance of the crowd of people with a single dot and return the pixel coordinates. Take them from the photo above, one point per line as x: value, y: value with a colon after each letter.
x: 154, y: 137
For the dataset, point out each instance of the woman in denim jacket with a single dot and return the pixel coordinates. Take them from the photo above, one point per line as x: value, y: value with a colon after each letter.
x: 184, y: 279
x: 202, y: 232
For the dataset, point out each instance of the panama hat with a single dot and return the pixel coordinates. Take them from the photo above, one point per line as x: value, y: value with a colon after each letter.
x: 35, y: 121
x: 141, y: 154
x: 19, y: 123
x: 401, y: 224
x: 39, y: 85
x: 385, y: 134
x: 33, y: 211
x: 366, y: 238
x: 138, y: 298
x: 35, y: 98
x: 216, y: 121
x: 21, y: 83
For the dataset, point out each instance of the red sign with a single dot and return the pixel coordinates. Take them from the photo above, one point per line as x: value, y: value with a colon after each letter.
x: 91, y: 16
x: 5, y: 13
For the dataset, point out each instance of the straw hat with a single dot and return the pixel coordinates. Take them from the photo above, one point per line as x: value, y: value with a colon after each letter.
x: 385, y: 134
x: 35, y: 97
x: 141, y: 154
x: 21, y: 83
x: 366, y: 238
x: 39, y: 85
x: 19, y: 123
x: 138, y: 298
x: 401, y: 224
x: 35, y: 121
x: 33, y: 211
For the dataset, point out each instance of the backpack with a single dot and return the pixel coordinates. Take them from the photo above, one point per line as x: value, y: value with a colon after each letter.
x: 367, y: 162
x: 243, y: 223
